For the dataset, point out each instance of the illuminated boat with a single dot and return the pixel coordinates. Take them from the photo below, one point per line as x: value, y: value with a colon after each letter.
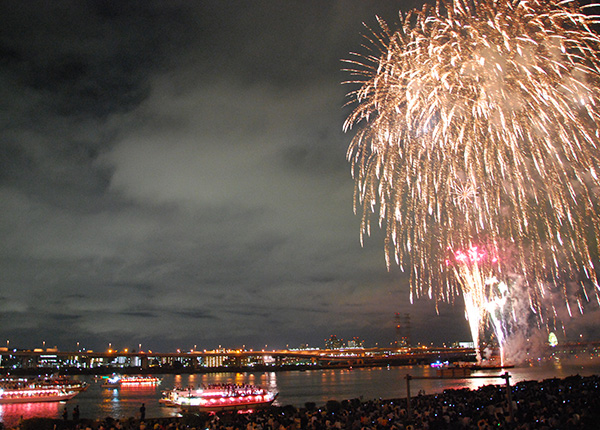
x: 34, y: 390
x: 117, y: 381
x: 140, y: 380
x: 169, y: 398
x: 35, y: 395
x: 220, y: 397
x: 63, y: 382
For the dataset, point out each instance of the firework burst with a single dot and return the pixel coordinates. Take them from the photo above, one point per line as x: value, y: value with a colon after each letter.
x: 477, y: 122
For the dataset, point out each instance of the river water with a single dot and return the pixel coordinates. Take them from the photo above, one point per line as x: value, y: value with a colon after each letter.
x: 294, y: 388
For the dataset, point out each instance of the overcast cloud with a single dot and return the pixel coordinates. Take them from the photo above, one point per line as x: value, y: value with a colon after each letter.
x: 173, y: 173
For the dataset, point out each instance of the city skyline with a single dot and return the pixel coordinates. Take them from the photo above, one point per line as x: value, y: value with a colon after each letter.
x: 175, y: 173
x: 331, y: 341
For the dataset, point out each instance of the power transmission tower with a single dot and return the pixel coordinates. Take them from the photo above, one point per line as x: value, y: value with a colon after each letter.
x: 406, y: 336
x: 402, y: 330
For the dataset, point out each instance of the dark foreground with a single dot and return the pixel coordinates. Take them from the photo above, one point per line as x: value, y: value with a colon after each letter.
x: 570, y: 403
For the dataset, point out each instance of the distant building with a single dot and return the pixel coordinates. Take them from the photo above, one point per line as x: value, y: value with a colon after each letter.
x: 214, y: 361
x: 356, y: 343
x: 463, y: 345
x: 333, y: 342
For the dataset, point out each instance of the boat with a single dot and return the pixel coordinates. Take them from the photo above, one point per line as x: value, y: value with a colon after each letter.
x: 64, y: 383
x: 169, y: 398
x: 484, y: 366
x: 140, y: 380
x: 117, y: 381
x: 35, y: 395
x: 111, y: 382
x: 461, y: 369
x: 488, y: 364
x: 218, y: 398
x: 438, y: 364
x: 453, y: 372
x: 13, y: 390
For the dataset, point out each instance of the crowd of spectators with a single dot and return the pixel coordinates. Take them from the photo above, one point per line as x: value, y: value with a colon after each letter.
x: 570, y: 403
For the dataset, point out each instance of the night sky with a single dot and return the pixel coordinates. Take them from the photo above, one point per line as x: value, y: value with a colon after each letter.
x: 173, y: 173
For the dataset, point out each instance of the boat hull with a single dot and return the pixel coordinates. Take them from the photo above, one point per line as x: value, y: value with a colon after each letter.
x: 6, y: 400
x: 224, y: 407
x: 490, y: 367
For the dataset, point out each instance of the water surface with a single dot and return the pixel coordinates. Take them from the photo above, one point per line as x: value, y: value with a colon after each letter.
x: 294, y: 388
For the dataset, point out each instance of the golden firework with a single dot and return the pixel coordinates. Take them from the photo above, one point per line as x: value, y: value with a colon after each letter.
x: 477, y: 122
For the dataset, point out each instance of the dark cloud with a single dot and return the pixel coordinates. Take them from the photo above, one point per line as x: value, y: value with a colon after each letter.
x: 173, y: 173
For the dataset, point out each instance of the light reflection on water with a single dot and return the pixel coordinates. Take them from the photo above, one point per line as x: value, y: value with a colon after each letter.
x: 125, y: 401
x: 294, y: 387
x: 11, y: 414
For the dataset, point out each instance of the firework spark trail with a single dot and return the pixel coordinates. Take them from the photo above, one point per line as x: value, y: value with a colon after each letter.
x: 477, y: 122
x: 496, y: 309
x: 474, y: 270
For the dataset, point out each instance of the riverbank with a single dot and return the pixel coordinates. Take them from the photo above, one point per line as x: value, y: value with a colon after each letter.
x: 569, y: 403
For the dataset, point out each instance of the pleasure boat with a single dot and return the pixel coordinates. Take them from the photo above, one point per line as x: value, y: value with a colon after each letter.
x: 64, y: 383
x: 117, y: 381
x: 34, y: 391
x: 219, y: 397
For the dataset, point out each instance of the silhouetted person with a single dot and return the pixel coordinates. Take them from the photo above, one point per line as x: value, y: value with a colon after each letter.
x: 142, y: 413
x: 76, y: 413
x: 65, y: 414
